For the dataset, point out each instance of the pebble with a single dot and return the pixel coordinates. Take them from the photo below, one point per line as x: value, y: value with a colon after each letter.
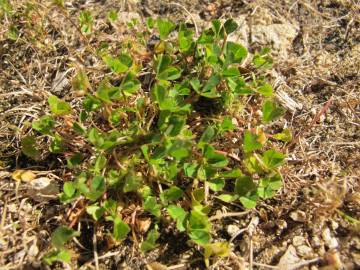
x: 316, y: 242
x: 278, y: 36
x: 33, y: 250
x: 232, y: 229
x: 355, y: 242
x: 334, y: 225
x: 282, y: 225
x: 289, y: 258
x: 330, y: 241
x: 298, y: 215
x: 304, y: 251
x: 298, y: 241
x: 43, y: 189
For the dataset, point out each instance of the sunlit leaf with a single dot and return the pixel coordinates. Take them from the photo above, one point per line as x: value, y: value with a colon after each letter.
x: 249, y: 201
x: 185, y: 37
x: 251, y: 141
x: 216, y: 184
x: 95, y: 211
x: 100, y: 164
x: 271, y: 111
x: 273, y: 159
x: 57, y: 144
x: 152, y: 206
x: 234, y: 53
x: 269, y: 185
x: 44, y: 124
x: 58, y: 107
x: 120, y: 64
x: 121, y: 229
x: 179, y: 214
x: 220, y: 249
x: 164, y: 26
x: 199, y: 227
x: 285, y: 135
x: 227, y: 197
x: 266, y: 90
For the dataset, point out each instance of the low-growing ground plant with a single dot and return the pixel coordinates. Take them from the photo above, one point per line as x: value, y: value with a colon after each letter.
x: 156, y: 137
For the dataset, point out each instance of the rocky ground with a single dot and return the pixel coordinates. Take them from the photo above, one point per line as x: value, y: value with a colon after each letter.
x: 313, y: 223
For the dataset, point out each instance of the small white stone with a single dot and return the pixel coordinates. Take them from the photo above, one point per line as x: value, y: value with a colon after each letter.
x: 282, y: 225
x: 232, y: 229
x: 33, y: 250
x: 316, y: 242
x: 304, y: 251
x: 334, y: 225
x: 298, y: 215
x: 326, y: 235
x: 259, y: 113
x: 330, y: 241
x: 298, y: 241
x: 289, y: 258
x: 278, y: 36
x: 333, y: 243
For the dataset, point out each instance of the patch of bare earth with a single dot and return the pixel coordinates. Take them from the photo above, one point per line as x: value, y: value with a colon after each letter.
x: 311, y: 224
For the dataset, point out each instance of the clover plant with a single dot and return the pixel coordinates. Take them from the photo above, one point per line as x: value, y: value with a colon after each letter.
x: 137, y: 139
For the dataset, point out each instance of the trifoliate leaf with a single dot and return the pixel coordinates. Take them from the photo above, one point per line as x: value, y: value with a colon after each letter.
x: 150, y: 242
x: 95, y: 211
x: 244, y: 185
x: 60, y: 255
x: 62, y: 235
x: 171, y: 194
x: 251, y: 141
x: 44, y: 124
x: 230, y: 26
x: 179, y: 215
x: 266, y: 90
x: 121, y: 229
x: 152, y: 206
x: 271, y: 111
x: 58, y: 107
x: 272, y: 159
x: 216, y: 184
x: 164, y: 26
x: 120, y: 64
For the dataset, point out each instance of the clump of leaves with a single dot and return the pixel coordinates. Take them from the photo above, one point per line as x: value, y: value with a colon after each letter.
x: 145, y: 150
